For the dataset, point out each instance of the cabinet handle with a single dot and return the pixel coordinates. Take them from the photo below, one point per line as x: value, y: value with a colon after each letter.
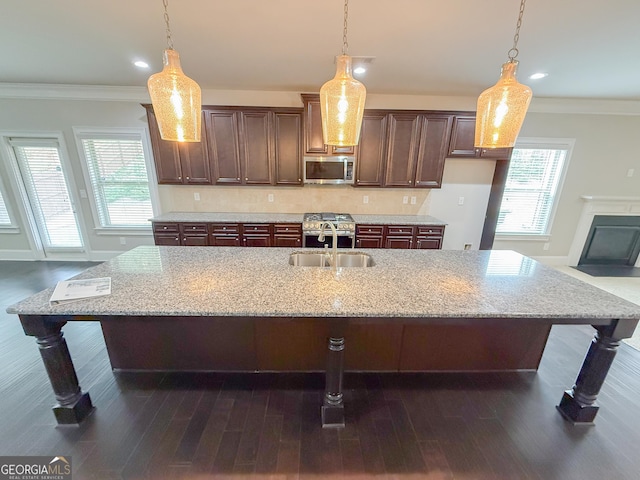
x: 238, y: 178
x: 165, y: 227
x: 193, y: 228
x: 179, y: 178
x: 187, y: 178
x: 246, y: 178
x: 287, y: 229
x: 177, y: 238
x: 224, y: 228
x: 255, y: 228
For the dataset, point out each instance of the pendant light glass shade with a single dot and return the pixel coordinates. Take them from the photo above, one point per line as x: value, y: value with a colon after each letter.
x: 342, y: 106
x: 501, y: 110
x: 176, y: 101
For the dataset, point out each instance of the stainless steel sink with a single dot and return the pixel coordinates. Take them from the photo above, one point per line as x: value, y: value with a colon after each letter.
x: 321, y: 259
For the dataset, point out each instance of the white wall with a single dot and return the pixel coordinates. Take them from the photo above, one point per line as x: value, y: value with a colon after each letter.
x: 603, y: 153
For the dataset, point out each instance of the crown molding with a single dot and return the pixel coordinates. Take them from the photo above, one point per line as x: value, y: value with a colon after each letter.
x: 140, y: 94
x: 42, y: 91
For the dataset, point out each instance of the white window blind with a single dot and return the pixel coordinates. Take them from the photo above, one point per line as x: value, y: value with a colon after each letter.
x: 4, y: 214
x: 530, y: 191
x: 118, y: 176
x: 46, y: 187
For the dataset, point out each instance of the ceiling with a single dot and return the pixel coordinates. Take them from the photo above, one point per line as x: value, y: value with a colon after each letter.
x: 424, y: 47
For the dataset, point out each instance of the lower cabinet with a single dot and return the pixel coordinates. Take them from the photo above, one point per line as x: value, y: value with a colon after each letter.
x: 399, y: 236
x: 287, y: 235
x: 290, y: 235
x: 370, y: 236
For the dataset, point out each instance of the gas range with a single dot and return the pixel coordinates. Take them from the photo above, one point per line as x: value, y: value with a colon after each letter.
x: 344, y: 223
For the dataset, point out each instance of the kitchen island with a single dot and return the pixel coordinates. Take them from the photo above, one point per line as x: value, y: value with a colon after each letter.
x: 247, y: 309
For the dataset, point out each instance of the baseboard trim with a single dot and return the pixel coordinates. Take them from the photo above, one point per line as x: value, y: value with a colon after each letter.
x: 17, y: 255
x: 553, y: 261
x: 29, y: 255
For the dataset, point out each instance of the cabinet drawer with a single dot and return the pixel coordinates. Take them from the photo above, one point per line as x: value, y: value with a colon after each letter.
x: 194, y: 228
x: 257, y: 228
x: 224, y: 228
x: 400, y: 230
x: 369, y: 229
x: 430, y: 230
x: 166, y: 227
x: 287, y: 228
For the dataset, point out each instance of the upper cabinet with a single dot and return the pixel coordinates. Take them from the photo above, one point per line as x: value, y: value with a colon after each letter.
x: 178, y: 163
x: 313, y: 140
x: 463, y: 139
x: 240, y: 146
x: 402, y: 149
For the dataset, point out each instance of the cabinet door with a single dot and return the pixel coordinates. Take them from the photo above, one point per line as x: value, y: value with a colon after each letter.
x: 313, y: 141
x: 402, y: 149
x: 434, y: 140
x: 256, y: 241
x: 197, y: 240
x: 170, y: 239
x: 225, y: 240
x: 371, y: 150
x: 288, y: 148
x: 255, y: 128
x: 463, y: 137
x: 498, y: 153
x: 195, y: 162
x: 398, y: 242
x: 429, y: 243
x: 369, y: 242
x: 223, y: 146
x: 286, y: 241
x: 165, y: 154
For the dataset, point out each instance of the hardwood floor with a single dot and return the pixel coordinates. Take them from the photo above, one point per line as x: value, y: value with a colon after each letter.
x: 411, y: 426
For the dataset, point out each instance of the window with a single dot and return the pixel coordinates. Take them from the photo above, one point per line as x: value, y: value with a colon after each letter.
x: 535, y: 175
x: 5, y: 221
x: 117, y: 172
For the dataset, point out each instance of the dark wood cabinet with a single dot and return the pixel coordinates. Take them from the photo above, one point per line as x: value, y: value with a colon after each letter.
x: 166, y: 234
x: 255, y: 150
x: 223, y: 141
x: 402, y: 148
x: 371, y: 151
x: 287, y: 235
x: 369, y: 236
x: 287, y: 150
x: 399, y: 236
x: 435, y: 131
x: 194, y: 234
x: 429, y: 237
x: 463, y: 140
x: 178, y: 163
x: 313, y: 139
x: 256, y: 235
x: 224, y: 235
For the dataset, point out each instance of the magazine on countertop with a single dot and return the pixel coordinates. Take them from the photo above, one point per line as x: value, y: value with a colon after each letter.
x: 68, y: 291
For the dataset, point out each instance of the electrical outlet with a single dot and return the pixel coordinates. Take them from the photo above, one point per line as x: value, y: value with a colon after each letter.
x: 196, y: 196
x: 413, y: 200
x: 270, y: 197
x: 630, y: 172
x: 460, y: 200
x: 365, y: 199
x: 123, y: 241
x: 405, y: 199
x: 83, y: 193
x: 467, y: 246
x: 546, y: 246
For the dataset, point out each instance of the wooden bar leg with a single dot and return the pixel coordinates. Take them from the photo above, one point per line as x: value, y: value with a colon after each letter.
x: 578, y: 404
x: 333, y: 406
x: 73, y: 405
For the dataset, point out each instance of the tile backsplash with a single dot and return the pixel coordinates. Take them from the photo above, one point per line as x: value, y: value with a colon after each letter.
x: 310, y: 198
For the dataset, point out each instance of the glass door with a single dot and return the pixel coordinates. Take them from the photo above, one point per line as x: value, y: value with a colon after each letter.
x: 47, y: 194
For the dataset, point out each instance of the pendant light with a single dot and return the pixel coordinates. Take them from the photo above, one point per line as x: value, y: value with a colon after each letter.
x: 502, y: 108
x: 175, y: 97
x: 342, y: 100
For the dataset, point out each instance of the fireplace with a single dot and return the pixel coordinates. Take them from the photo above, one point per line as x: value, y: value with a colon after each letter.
x: 596, y: 206
x: 612, y: 240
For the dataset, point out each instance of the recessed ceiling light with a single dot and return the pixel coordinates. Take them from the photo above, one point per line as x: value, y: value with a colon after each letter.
x: 141, y: 64
x: 359, y: 70
x: 538, y: 76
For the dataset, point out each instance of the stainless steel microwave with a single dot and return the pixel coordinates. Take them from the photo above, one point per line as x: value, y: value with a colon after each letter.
x: 329, y: 170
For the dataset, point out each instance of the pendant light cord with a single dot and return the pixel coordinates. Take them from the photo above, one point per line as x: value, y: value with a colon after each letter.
x: 166, y: 20
x: 345, y: 45
x: 513, y: 53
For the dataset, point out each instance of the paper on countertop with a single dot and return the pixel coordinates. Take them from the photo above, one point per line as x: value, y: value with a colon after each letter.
x: 72, y: 290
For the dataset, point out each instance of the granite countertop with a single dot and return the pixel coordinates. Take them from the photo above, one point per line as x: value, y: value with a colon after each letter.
x: 235, y: 281
x: 209, y: 217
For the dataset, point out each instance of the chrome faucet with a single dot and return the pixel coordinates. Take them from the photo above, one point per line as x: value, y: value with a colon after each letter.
x: 334, y: 253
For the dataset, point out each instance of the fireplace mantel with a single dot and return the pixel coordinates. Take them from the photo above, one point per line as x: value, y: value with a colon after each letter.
x: 599, y: 205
